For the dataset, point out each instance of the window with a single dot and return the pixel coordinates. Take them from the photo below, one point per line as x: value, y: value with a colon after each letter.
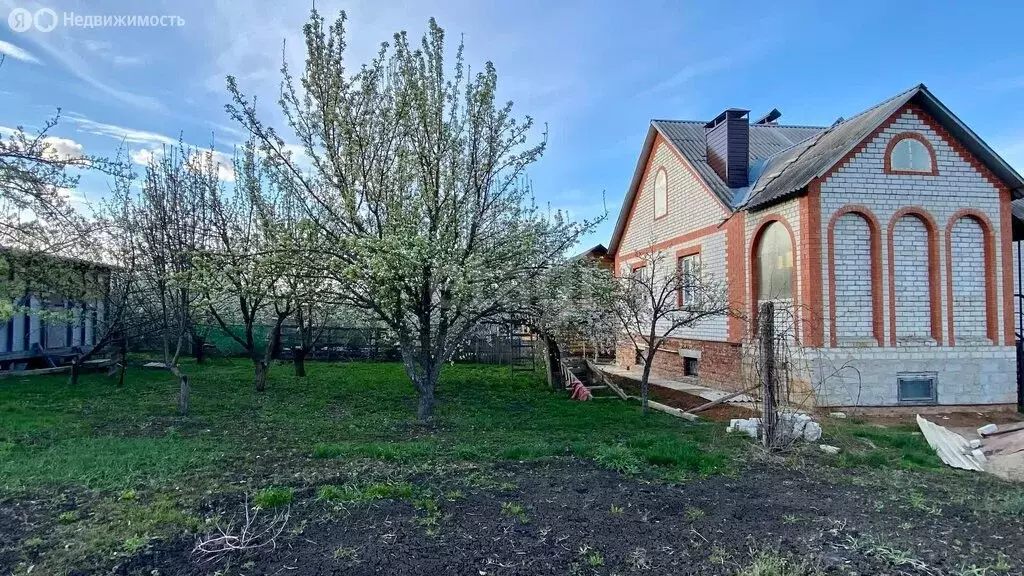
x: 775, y: 263
x: 660, y: 193
x: 917, y: 388
x: 689, y: 366
x: 689, y: 278
x: 909, y: 154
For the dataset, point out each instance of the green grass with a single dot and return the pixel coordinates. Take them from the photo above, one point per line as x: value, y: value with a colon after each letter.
x: 274, y: 497
x: 146, y: 468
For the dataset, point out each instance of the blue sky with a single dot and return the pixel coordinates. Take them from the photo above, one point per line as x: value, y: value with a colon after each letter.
x: 594, y: 73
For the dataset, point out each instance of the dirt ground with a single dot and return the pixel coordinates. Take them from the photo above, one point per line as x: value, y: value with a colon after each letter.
x: 577, y: 518
x: 677, y: 399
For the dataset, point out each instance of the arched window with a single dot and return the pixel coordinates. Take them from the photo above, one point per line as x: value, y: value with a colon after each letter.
x: 775, y: 263
x: 910, y: 153
x: 660, y: 194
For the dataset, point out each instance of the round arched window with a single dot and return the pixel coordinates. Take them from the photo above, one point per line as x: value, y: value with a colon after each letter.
x: 775, y: 263
x: 910, y: 155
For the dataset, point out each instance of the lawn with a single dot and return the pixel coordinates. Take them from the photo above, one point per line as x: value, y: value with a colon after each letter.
x: 97, y: 478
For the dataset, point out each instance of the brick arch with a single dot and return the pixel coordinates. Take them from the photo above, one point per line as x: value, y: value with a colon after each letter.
x: 875, y: 235
x: 934, y: 290
x: 911, y: 136
x: 755, y: 271
x: 989, y: 243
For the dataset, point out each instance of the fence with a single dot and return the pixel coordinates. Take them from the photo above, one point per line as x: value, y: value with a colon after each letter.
x: 490, y: 344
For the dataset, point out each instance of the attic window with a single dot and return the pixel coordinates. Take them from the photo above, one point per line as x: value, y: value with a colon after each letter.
x: 910, y: 153
x: 660, y: 194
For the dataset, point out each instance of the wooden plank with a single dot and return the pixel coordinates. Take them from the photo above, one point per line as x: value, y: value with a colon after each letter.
x: 1009, y: 443
x: 670, y: 410
x: 714, y: 403
x: 39, y: 372
x: 608, y: 381
x: 1005, y: 429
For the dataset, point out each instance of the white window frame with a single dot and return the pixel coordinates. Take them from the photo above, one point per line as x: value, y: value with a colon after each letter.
x: 687, y: 293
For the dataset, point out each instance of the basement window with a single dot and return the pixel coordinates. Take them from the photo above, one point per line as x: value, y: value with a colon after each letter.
x: 689, y: 366
x: 917, y: 388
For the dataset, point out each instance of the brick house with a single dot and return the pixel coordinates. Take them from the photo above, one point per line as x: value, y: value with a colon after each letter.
x: 889, y: 234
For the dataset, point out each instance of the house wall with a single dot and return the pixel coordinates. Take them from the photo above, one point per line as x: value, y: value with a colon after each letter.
x: 937, y: 293
x: 693, y: 223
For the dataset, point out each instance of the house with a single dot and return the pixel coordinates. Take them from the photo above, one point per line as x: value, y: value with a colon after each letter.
x: 885, y: 237
x: 56, y: 307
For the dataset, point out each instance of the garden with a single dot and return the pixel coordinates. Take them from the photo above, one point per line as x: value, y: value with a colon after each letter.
x: 334, y: 474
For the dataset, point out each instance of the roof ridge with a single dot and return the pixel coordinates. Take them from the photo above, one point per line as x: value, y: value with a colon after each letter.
x: 702, y: 122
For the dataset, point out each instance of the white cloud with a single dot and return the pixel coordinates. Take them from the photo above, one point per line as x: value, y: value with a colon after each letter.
x: 13, y: 51
x: 61, y: 148
x: 128, y: 135
x: 72, y: 196
x: 106, y: 51
x: 143, y: 156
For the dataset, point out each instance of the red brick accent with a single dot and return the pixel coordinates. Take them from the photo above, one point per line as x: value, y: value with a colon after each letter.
x: 693, y: 235
x: 720, y: 364
x: 754, y: 272
x: 812, y: 309
x: 912, y: 136
x: 1006, y: 244
x: 991, y: 308
x: 934, y: 289
x: 736, y: 274
x: 877, y: 324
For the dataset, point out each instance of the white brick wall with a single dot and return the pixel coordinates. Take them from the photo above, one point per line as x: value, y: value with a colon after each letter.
x: 913, y: 298
x: 967, y: 242
x: 853, y: 279
x: 971, y: 372
x: 690, y: 206
x: 863, y: 181
x: 964, y: 374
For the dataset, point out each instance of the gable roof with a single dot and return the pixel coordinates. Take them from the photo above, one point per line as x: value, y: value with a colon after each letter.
x: 785, y: 159
x: 687, y: 138
x: 789, y: 172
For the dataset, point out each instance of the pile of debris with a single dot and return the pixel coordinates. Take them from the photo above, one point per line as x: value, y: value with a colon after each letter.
x: 791, y: 426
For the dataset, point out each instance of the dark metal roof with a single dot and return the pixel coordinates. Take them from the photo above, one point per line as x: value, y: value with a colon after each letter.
x: 765, y: 140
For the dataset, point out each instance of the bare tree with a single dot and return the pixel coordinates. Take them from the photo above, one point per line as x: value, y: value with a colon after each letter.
x: 659, y: 297
x: 416, y: 180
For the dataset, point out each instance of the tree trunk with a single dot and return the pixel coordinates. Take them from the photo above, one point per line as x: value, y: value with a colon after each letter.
x: 300, y: 362
x: 122, y: 361
x: 552, y: 362
x: 183, y: 391
x: 76, y: 368
x: 426, y: 408
x: 645, y: 379
x: 260, y: 383
x: 200, y: 353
